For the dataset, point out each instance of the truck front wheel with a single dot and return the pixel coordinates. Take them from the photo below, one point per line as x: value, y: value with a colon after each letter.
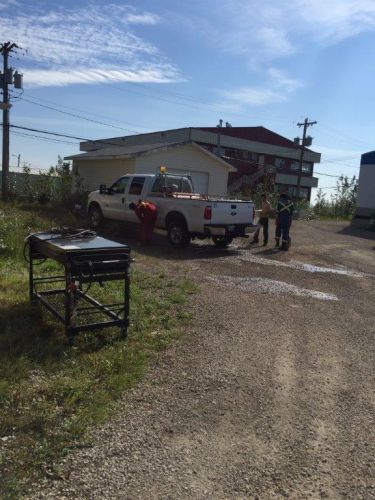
x: 222, y: 241
x: 95, y: 215
x: 178, y: 235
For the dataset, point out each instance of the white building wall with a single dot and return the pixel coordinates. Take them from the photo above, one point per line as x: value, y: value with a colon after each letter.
x: 96, y: 172
x: 187, y: 159
x: 366, y: 188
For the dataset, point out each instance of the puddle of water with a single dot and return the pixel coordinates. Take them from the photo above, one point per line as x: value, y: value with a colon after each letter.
x: 268, y: 286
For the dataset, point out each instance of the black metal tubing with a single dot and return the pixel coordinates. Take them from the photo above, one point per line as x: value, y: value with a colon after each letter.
x: 97, y: 278
x: 49, y: 279
x: 49, y: 306
x: 97, y: 266
x: 97, y: 304
x: 99, y: 326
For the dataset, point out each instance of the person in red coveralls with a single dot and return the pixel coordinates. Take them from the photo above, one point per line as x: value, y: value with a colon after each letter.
x: 147, y: 214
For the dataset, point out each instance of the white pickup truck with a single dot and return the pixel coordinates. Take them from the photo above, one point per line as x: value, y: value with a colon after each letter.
x: 184, y: 214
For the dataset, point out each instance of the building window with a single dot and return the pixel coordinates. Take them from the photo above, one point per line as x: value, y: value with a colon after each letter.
x: 292, y: 191
x: 279, y: 162
x: 252, y: 156
x: 307, y: 167
x: 294, y: 165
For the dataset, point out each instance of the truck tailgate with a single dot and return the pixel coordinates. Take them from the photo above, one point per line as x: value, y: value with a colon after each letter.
x: 232, y: 212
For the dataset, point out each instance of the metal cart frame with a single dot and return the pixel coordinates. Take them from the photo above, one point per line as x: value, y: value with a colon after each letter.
x: 93, y: 260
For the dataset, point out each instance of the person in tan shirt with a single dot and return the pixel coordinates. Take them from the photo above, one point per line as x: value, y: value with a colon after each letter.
x: 263, y: 221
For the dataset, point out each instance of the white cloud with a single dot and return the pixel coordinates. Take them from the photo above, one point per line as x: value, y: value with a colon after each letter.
x: 335, y: 20
x: 84, y: 45
x: 281, y: 81
x: 146, y: 18
x: 253, y: 96
x: 6, y: 3
x: 59, y: 78
x: 276, y: 88
x: 267, y: 30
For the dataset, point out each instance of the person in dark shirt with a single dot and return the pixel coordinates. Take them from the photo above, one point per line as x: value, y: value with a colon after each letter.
x: 284, y: 211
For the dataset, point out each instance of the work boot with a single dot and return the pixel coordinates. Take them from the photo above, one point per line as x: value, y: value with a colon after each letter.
x: 254, y: 242
x: 277, y: 244
x: 284, y: 246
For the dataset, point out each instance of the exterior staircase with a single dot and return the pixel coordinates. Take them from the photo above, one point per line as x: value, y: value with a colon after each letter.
x: 252, y: 178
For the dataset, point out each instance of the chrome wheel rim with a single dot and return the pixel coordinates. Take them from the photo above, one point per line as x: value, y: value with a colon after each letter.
x: 176, y: 234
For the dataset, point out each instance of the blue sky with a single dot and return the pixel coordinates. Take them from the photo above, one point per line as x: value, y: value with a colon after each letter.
x: 152, y: 65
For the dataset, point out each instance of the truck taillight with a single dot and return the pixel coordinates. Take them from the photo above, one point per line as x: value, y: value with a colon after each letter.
x: 208, y: 213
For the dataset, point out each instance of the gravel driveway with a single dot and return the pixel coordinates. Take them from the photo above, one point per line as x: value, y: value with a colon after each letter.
x: 270, y: 394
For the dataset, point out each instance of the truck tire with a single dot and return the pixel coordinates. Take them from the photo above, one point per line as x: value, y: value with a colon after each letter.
x: 222, y: 241
x: 95, y: 215
x: 178, y: 234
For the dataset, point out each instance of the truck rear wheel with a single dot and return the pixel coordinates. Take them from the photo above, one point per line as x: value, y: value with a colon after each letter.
x: 222, y: 241
x: 178, y: 234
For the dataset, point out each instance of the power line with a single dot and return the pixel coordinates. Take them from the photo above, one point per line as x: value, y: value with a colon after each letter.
x: 78, y: 116
x: 50, y: 133
x: 57, y: 134
x: 81, y: 110
x: 343, y: 134
x: 341, y: 165
x: 49, y: 139
x: 330, y: 175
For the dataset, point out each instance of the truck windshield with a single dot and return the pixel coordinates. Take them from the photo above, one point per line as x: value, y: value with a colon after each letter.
x: 171, y: 184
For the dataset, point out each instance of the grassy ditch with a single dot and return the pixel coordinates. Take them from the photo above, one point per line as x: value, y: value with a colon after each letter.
x: 49, y: 392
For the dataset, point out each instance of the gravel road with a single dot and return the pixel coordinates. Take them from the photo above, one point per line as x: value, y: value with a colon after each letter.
x: 270, y: 394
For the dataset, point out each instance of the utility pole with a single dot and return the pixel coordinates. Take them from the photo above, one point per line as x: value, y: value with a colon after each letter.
x: 305, y: 125
x: 18, y: 159
x: 7, y: 78
x: 219, y: 126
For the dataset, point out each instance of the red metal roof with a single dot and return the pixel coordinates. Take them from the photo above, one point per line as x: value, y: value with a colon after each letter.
x: 258, y: 134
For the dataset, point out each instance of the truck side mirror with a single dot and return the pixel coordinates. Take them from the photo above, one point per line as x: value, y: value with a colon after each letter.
x: 103, y: 189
